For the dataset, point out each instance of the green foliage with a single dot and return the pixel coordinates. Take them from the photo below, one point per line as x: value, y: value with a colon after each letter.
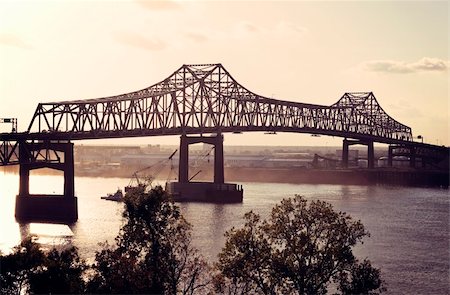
x: 245, y: 260
x: 153, y: 245
x: 300, y: 249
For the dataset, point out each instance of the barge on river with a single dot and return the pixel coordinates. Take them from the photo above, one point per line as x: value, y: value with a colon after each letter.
x: 205, y: 192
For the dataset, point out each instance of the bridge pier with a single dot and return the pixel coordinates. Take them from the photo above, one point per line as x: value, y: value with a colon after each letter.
x: 370, y: 152
x: 370, y: 155
x: 412, y: 157
x: 217, y: 191
x: 183, y: 166
x: 345, y: 154
x: 409, y: 151
x: 216, y: 141
x: 24, y: 170
x: 390, y: 155
x: 44, y: 207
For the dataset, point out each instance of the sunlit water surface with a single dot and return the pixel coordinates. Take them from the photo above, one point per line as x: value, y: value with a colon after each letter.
x: 409, y: 226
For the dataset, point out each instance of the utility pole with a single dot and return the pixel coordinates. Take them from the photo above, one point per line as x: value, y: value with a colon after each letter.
x: 12, y: 121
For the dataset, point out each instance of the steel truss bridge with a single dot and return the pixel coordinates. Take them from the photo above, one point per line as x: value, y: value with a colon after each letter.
x: 195, y: 99
x: 198, y: 99
x: 202, y: 99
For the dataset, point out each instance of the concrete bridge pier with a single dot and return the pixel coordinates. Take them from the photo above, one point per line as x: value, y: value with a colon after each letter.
x: 406, y: 151
x: 412, y: 157
x: 390, y: 155
x: 345, y: 154
x: 216, y: 141
x: 370, y: 152
x: 217, y: 191
x: 183, y: 166
x: 44, y: 207
x: 370, y: 155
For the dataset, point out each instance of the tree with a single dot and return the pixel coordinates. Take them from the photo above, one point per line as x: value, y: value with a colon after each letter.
x: 153, y: 255
x: 300, y: 249
x: 61, y: 273
x: 29, y: 270
x: 361, y: 278
x: 16, y: 267
x: 153, y: 251
x: 245, y: 260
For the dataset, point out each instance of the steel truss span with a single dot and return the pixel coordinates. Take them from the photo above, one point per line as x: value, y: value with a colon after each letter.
x: 198, y: 99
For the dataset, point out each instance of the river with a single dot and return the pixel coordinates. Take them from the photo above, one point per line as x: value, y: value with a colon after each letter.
x: 409, y: 227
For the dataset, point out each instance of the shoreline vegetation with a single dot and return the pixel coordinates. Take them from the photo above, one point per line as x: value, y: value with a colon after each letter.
x: 303, y: 247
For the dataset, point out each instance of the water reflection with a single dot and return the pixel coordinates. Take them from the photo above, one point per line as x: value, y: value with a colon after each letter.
x: 47, y: 235
x: 24, y: 230
x: 345, y: 192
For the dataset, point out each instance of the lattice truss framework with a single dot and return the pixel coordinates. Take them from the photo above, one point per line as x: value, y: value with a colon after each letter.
x: 207, y: 99
x: 36, y: 152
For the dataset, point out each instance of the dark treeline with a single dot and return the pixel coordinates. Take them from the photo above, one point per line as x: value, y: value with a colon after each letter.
x: 302, y: 248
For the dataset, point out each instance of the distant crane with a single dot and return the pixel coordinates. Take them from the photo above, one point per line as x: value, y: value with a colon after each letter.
x: 329, y: 162
x: 202, y: 159
x: 12, y: 121
x: 145, y: 181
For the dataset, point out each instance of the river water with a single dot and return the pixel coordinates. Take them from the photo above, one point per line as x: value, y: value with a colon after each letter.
x: 409, y: 227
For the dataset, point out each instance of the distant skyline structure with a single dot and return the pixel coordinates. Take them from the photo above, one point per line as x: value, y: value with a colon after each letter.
x: 306, y: 52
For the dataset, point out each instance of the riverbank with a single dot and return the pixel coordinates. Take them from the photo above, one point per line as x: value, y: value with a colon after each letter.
x: 379, y: 176
x: 411, y: 178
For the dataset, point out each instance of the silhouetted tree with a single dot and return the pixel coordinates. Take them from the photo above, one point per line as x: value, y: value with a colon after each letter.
x: 29, y: 270
x: 16, y: 267
x: 300, y: 249
x: 361, y: 278
x: 153, y: 251
x: 60, y: 273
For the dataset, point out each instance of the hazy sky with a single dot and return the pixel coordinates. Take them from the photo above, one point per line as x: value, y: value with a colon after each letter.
x: 309, y: 52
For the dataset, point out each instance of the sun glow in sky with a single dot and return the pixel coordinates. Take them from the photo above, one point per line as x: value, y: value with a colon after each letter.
x: 308, y: 52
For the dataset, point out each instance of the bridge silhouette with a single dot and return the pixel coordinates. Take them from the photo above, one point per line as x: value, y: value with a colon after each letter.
x: 199, y: 100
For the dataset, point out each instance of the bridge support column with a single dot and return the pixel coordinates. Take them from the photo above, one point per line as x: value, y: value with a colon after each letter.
x: 390, y: 155
x: 44, y: 207
x: 24, y: 169
x: 183, y: 168
x: 370, y: 155
x: 370, y: 152
x: 217, y: 191
x: 345, y: 153
x: 429, y: 156
x: 218, y: 160
x: 69, y: 171
x: 412, y: 157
